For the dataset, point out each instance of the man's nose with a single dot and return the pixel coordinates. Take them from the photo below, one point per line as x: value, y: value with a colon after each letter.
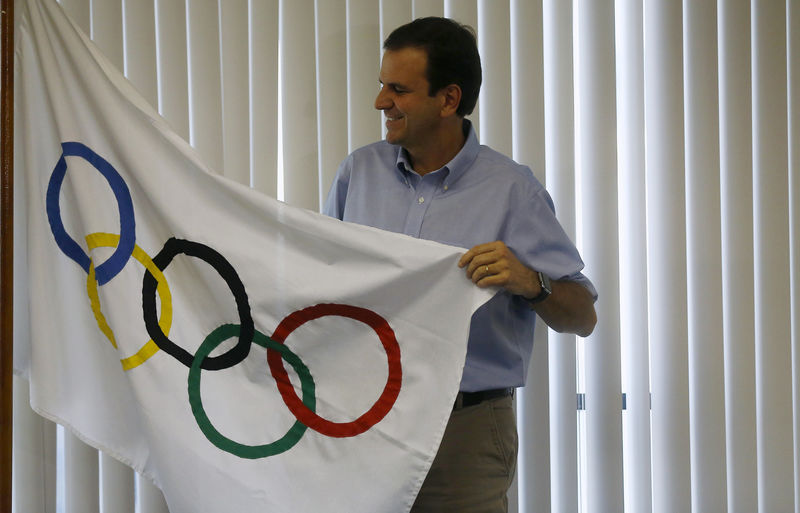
x: 382, y: 101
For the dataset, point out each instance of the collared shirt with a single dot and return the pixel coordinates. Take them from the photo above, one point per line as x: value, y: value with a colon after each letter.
x: 479, y: 196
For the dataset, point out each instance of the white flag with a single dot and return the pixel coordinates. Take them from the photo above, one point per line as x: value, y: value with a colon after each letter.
x: 243, y: 354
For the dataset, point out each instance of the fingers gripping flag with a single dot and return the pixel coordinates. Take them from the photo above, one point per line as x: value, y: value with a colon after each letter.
x: 243, y: 354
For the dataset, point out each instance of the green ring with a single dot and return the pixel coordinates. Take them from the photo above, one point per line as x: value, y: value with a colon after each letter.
x: 214, y: 339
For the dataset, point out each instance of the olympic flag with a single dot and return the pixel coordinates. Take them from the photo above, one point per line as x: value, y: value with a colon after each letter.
x: 165, y: 302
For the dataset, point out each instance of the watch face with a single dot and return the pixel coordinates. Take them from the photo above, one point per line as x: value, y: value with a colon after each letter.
x: 544, y: 283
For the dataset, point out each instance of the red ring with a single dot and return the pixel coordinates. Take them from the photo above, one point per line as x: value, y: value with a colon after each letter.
x: 393, y: 383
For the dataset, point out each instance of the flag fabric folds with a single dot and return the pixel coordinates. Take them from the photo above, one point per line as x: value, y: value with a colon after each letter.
x: 243, y: 354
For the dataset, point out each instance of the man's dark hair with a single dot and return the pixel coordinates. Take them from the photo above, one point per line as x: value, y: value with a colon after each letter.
x: 452, y: 55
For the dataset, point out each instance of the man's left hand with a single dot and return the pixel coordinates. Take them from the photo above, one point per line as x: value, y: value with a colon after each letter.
x: 568, y: 309
x: 494, y: 264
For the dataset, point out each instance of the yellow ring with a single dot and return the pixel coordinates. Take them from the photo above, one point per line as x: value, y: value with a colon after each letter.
x: 109, y: 240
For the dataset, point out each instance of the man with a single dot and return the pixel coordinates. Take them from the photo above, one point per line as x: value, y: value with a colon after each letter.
x: 431, y: 179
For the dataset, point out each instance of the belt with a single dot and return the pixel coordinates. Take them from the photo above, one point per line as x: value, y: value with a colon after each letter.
x: 465, y: 399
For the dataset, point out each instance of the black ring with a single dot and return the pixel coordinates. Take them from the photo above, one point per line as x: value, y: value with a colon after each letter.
x: 234, y: 355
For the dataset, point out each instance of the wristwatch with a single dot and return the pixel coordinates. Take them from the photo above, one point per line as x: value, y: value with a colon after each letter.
x: 544, y: 283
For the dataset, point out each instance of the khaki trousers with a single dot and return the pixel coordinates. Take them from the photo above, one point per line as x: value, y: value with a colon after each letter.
x: 476, y: 461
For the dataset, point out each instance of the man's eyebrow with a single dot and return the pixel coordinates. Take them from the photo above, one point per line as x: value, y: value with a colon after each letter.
x: 393, y: 85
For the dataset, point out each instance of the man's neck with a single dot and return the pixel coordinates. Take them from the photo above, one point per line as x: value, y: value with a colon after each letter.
x: 439, y: 151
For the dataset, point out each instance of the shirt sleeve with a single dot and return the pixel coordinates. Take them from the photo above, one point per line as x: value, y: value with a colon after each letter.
x: 337, y: 194
x: 539, y: 240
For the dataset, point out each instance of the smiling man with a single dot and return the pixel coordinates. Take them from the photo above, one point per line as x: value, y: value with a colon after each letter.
x: 431, y: 179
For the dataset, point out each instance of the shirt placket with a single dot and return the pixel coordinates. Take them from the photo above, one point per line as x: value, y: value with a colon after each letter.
x: 421, y: 198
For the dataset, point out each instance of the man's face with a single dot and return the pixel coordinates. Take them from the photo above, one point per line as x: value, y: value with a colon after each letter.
x: 411, y: 114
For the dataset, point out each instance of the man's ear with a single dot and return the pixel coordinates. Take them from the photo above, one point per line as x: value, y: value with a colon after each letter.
x: 451, y: 95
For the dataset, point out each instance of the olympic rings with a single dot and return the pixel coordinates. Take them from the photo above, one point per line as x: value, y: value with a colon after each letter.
x: 172, y: 248
x: 110, y: 240
x: 393, y: 382
x: 158, y: 328
x: 111, y: 267
x: 283, y: 444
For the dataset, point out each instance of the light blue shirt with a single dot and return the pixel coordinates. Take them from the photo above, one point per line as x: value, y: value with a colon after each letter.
x: 480, y: 196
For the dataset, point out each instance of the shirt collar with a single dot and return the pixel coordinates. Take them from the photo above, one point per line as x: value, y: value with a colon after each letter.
x: 456, y: 167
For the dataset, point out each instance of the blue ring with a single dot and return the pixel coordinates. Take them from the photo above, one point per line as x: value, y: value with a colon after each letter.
x: 127, y: 229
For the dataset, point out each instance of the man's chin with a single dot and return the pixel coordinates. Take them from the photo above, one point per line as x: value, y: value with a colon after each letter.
x: 393, y: 138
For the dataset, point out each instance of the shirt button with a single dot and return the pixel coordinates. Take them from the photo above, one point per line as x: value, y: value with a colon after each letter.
x: 446, y: 187
x: 421, y: 200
